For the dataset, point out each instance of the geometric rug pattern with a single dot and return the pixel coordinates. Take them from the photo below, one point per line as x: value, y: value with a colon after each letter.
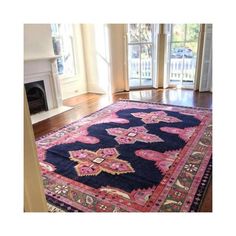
x: 129, y: 157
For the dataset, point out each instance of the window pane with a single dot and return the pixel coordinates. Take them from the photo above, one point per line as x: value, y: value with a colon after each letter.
x: 146, y: 65
x: 60, y: 66
x: 134, y: 65
x: 177, y: 50
x: 54, y: 29
x: 176, y: 61
x: 145, y: 33
x: 62, y: 38
x: 178, y: 33
x: 193, y: 48
x: 68, y: 56
x: 192, y: 32
x: 68, y: 30
x: 57, y: 45
x: 183, y: 54
x: 190, y: 62
x: 133, y: 35
x: 146, y: 51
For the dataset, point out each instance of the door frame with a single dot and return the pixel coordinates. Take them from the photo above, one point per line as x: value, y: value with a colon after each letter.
x: 154, y: 44
x: 192, y: 86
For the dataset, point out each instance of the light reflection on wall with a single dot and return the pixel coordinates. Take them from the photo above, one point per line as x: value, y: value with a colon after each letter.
x: 102, y: 56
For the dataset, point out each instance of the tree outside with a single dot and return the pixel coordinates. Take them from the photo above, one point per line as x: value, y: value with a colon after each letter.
x: 185, y: 35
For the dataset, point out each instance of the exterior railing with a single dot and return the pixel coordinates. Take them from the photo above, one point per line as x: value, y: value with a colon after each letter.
x: 182, y: 67
x: 178, y: 66
x: 146, y: 68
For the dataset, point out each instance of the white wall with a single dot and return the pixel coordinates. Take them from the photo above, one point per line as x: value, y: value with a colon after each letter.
x: 37, y: 41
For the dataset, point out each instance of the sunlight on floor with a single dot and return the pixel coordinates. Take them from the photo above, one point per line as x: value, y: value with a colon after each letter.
x: 47, y: 114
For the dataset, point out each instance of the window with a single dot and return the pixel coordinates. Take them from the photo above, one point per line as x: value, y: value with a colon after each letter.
x: 183, y: 46
x: 62, y: 38
x: 140, y: 54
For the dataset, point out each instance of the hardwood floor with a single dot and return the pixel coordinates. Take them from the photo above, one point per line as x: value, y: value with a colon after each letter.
x: 88, y: 103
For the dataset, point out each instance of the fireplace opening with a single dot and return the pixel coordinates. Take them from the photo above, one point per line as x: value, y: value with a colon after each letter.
x: 36, y: 97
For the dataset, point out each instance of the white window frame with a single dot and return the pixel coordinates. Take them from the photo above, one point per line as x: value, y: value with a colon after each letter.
x: 73, y: 44
x: 170, y: 42
x: 154, y: 44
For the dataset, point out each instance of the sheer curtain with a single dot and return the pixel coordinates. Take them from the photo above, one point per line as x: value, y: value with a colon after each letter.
x: 204, y: 77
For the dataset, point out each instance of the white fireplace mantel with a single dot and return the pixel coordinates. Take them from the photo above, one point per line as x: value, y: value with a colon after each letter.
x: 44, y: 68
x: 53, y: 57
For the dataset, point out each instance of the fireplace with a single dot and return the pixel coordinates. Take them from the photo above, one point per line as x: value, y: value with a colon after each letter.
x: 42, y: 84
x: 36, y: 96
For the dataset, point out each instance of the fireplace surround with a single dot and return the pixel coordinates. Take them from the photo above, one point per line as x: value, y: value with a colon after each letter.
x: 42, y: 84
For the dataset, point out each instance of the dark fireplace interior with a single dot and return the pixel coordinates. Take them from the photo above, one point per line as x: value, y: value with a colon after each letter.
x: 36, y: 97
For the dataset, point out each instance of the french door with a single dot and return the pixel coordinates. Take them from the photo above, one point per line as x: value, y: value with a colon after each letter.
x: 183, y: 48
x: 140, y: 42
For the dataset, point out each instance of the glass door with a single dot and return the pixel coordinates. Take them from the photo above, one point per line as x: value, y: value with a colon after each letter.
x: 183, y: 54
x: 140, y: 55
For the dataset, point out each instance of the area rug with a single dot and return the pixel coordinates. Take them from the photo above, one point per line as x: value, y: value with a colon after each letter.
x: 129, y: 157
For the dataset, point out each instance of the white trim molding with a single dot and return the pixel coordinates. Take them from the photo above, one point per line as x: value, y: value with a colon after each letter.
x: 44, y: 69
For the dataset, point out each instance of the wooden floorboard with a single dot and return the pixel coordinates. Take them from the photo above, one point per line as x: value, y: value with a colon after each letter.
x: 88, y: 103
